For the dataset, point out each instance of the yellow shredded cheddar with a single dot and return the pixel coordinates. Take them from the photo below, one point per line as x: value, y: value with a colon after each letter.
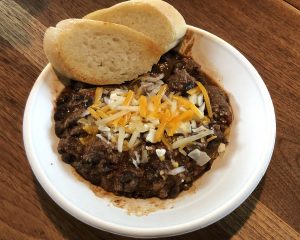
x: 164, y: 105
x: 162, y: 91
x: 125, y: 119
x: 98, y: 95
x: 101, y: 113
x: 84, y: 140
x: 187, y: 104
x: 105, y: 108
x: 128, y: 99
x: 166, y: 142
x: 206, y: 99
x: 143, y: 106
x: 161, y: 127
x: 205, y: 120
x: 193, y: 91
x: 156, y: 102
x: 90, y: 129
x: 211, y: 138
x: 112, y: 111
x: 175, y: 122
x: 93, y: 113
x: 115, y: 122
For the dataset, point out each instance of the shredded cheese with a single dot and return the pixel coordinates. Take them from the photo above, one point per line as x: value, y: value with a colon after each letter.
x: 206, y: 99
x: 161, y: 127
x: 121, y: 139
x: 187, y: 140
x: 177, y: 170
x: 128, y: 98
x: 93, y: 113
x: 128, y: 108
x: 90, y: 129
x: 211, y: 138
x: 101, y: 114
x: 124, y: 114
x: 174, y: 123
x: 111, y: 117
x: 187, y: 104
x: 133, y: 138
x: 193, y: 91
x: 166, y: 142
x: 98, y: 95
x: 143, y: 106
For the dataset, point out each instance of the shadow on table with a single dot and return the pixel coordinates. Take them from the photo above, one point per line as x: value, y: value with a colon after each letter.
x: 71, y: 228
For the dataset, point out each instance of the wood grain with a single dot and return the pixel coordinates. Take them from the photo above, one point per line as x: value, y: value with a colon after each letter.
x: 266, y: 32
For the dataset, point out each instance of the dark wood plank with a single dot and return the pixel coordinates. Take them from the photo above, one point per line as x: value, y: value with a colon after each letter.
x: 294, y: 3
x: 267, y: 32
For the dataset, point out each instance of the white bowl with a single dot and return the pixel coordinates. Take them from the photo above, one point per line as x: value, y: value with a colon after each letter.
x: 222, y: 189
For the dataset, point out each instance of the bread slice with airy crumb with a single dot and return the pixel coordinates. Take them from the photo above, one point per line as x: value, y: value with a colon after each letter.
x: 98, y: 52
x: 157, y: 19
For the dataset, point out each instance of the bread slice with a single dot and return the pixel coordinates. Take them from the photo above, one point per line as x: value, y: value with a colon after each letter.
x: 98, y: 52
x: 157, y: 19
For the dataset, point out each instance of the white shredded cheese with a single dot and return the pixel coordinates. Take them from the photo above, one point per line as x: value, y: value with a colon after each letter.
x: 193, y: 124
x: 119, y: 91
x: 200, y: 157
x: 128, y: 108
x: 137, y: 157
x: 166, y: 99
x: 184, y: 127
x: 173, y: 106
x: 102, y: 138
x: 177, y: 170
x: 134, y: 102
x: 221, y: 148
x: 106, y: 100
x: 200, y: 129
x: 115, y: 100
x: 149, y: 78
x: 104, y: 128
x: 108, y: 135
x: 151, y: 135
x: 184, y: 153
x: 154, y: 121
x: 200, y: 99
x: 133, y: 138
x: 193, y: 98
x: 160, y: 152
x: 135, y: 163
x: 144, y: 156
x: 202, y: 107
x: 121, y: 139
x: 85, y: 113
x: 192, y: 138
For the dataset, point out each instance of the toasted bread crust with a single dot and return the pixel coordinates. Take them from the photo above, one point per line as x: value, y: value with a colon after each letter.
x: 98, y: 52
x: 157, y: 19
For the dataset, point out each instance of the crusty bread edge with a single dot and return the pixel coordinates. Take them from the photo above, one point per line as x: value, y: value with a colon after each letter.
x: 168, y: 12
x: 52, y: 49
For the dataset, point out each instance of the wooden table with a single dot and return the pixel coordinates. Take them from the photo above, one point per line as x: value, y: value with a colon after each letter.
x: 267, y: 32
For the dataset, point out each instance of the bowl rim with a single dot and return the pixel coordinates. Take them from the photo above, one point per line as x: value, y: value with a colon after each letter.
x: 220, y: 212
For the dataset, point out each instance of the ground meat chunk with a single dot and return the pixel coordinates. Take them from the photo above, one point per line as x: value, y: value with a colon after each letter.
x: 181, y: 81
x: 220, y: 105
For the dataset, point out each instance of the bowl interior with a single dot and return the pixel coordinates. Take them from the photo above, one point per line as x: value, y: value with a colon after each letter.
x: 231, y: 179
